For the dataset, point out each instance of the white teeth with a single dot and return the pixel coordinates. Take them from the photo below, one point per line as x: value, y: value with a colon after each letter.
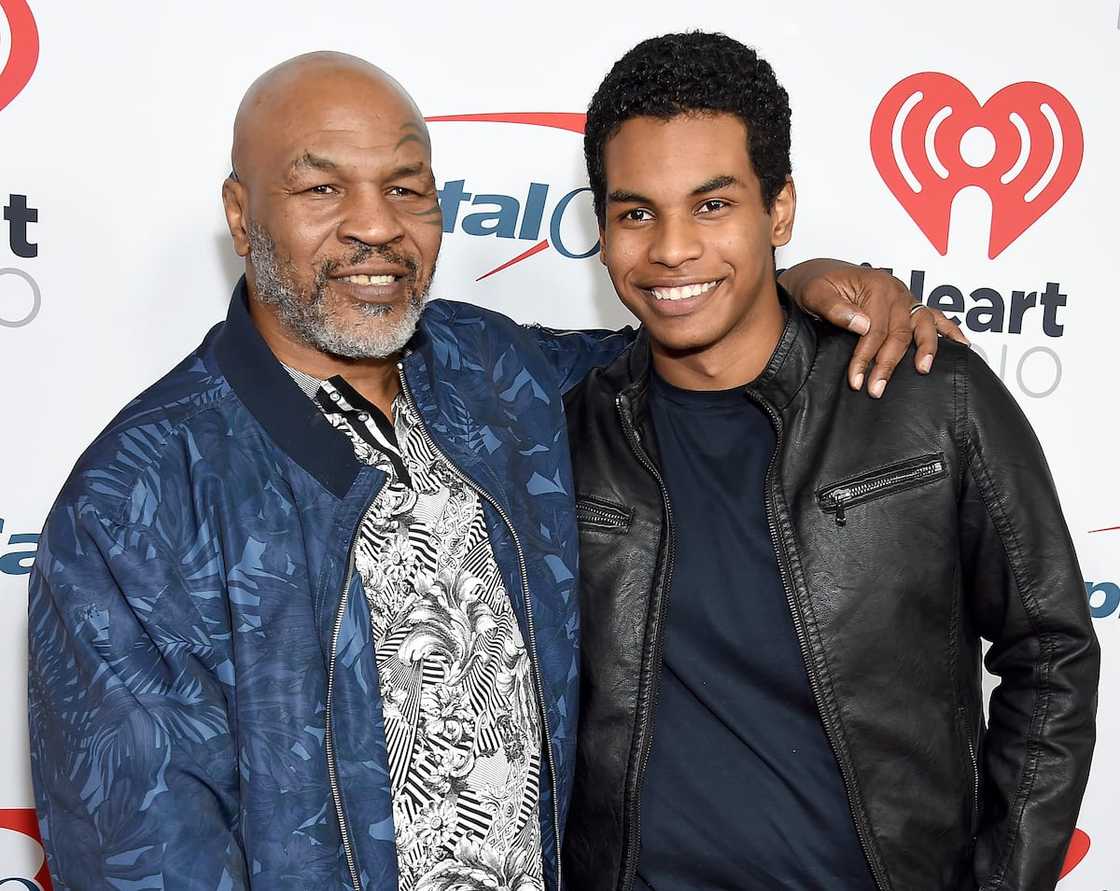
x: 683, y: 292
x: 370, y: 279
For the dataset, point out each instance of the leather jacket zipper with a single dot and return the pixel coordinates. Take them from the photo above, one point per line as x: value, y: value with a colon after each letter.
x: 975, y: 772
x: 332, y: 766
x: 532, y: 642
x: 633, y: 825
x: 781, y: 552
x: 835, y: 499
x: 602, y: 515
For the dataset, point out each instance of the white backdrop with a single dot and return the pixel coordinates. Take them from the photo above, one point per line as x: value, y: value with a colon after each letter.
x: 119, y: 142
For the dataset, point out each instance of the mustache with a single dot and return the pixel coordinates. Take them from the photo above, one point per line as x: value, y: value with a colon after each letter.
x: 364, y: 252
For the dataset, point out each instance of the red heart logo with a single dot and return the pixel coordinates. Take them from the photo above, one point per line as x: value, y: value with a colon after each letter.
x: 930, y: 138
x: 1078, y: 848
x: 23, y: 54
x: 23, y: 820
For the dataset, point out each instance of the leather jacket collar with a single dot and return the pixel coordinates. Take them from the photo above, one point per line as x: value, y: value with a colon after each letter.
x: 783, y: 377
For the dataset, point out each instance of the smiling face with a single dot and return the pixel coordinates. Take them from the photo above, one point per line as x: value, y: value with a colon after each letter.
x: 688, y: 240
x: 334, y: 207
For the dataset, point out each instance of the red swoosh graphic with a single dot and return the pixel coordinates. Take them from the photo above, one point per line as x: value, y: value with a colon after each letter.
x: 1106, y: 529
x: 25, y: 49
x: 559, y: 120
x: 535, y: 249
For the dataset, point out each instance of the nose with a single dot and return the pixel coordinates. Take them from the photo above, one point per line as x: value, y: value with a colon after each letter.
x: 369, y: 217
x: 675, y: 241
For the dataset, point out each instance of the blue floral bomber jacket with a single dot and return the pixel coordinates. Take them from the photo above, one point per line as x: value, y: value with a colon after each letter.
x: 203, y: 695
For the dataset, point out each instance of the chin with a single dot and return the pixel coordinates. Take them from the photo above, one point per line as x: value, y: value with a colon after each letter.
x: 682, y: 339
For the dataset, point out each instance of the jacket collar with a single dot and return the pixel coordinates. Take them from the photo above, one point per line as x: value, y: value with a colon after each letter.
x: 292, y: 420
x: 780, y: 380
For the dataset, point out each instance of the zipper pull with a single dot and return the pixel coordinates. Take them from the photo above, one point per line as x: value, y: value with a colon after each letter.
x: 839, y: 498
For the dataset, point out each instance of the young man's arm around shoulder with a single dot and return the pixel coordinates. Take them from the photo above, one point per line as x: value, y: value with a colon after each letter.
x: 133, y: 761
x: 1027, y: 597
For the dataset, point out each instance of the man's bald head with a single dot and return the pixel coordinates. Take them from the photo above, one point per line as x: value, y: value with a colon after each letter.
x: 284, y: 93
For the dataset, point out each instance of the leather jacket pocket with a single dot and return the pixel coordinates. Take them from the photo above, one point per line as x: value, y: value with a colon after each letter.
x: 596, y: 513
x: 838, y: 497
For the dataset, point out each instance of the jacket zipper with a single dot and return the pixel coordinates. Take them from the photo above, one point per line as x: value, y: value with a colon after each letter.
x: 799, y: 628
x: 332, y: 766
x: 837, y: 498
x: 602, y: 515
x: 629, y: 864
x: 482, y: 493
x: 975, y: 775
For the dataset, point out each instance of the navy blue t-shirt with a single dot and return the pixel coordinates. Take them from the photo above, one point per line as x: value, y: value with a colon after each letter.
x: 742, y: 790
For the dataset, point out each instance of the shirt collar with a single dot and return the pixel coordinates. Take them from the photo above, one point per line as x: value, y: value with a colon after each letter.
x: 306, y: 382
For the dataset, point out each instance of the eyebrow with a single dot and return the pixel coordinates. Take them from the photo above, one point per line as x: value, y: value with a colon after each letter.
x: 318, y: 162
x: 622, y: 196
x: 716, y: 182
x: 409, y: 170
x: 315, y: 162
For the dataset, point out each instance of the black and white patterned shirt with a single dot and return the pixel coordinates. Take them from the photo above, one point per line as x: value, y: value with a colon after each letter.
x: 462, y: 725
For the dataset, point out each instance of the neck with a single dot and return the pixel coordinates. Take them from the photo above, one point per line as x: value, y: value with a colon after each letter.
x: 734, y: 360
x: 375, y: 379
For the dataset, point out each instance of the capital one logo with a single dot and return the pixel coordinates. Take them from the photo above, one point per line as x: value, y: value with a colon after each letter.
x: 931, y: 138
x: 1104, y: 596
x: 23, y: 865
x: 540, y: 209
x: 22, y: 51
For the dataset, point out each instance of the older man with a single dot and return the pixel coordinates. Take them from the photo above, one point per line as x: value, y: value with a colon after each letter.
x: 304, y: 614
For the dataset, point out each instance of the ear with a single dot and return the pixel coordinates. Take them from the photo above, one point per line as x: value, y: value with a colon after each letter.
x: 235, y: 199
x: 602, y: 245
x: 782, y: 212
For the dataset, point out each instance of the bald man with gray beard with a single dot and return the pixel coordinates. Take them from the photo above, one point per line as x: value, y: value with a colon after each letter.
x: 303, y: 615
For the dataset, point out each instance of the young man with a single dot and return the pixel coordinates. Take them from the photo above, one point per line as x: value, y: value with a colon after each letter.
x: 304, y: 614
x: 783, y: 586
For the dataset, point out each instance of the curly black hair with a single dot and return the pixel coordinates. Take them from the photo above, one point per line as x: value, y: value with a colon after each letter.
x: 693, y: 72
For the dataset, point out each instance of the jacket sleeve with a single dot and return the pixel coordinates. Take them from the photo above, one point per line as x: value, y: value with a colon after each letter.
x: 574, y: 353
x: 1027, y: 597
x: 132, y: 757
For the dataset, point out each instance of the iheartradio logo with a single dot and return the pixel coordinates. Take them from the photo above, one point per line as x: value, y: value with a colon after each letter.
x: 20, y: 53
x: 23, y: 865
x: 1078, y: 848
x: 930, y: 138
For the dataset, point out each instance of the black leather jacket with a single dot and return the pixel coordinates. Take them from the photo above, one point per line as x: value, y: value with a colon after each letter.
x: 906, y: 529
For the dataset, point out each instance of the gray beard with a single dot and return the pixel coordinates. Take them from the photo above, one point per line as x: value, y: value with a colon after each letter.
x: 310, y: 318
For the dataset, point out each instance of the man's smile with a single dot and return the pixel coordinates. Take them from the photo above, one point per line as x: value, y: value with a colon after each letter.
x: 372, y: 284
x: 682, y: 291
x: 669, y: 298
x: 369, y: 279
